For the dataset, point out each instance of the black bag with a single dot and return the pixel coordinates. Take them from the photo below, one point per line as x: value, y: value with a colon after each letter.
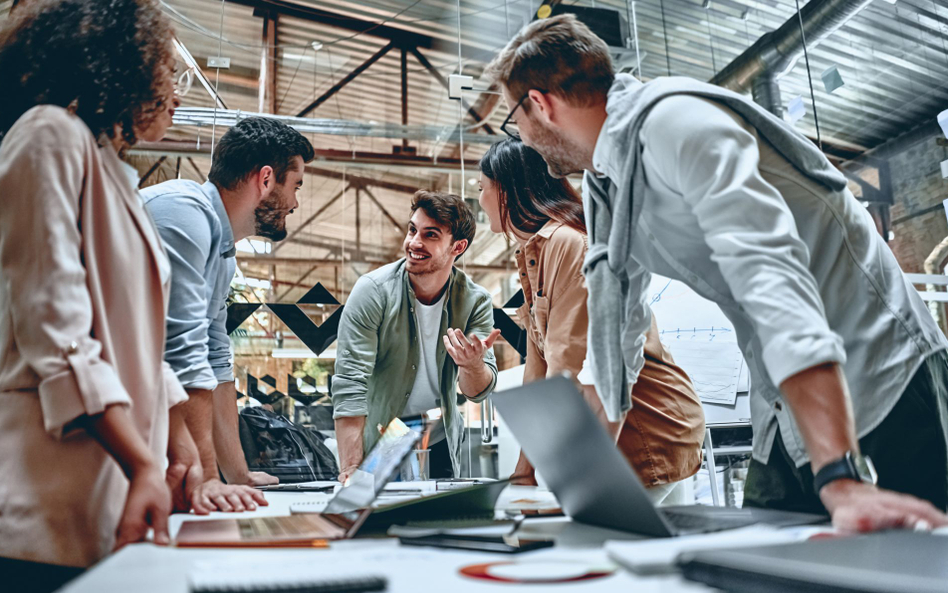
x: 293, y: 453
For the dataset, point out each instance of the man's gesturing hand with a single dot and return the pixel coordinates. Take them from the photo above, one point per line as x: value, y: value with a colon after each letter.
x: 468, y: 351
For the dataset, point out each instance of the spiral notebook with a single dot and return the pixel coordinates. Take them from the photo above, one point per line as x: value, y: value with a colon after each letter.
x: 227, y: 577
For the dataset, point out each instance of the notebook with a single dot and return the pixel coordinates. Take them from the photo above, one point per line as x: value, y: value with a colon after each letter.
x: 233, y: 577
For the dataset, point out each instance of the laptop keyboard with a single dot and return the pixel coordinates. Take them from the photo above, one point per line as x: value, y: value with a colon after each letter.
x: 704, y: 523
x: 271, y: 527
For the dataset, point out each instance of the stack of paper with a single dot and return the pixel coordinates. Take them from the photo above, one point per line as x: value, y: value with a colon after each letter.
x: 654, y: 556
x: 714, y: 367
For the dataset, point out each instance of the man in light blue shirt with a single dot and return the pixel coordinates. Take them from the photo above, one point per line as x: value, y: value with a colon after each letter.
x: 257, y: 169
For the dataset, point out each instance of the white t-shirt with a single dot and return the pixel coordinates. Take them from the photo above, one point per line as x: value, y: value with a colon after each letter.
x: 585, y: 376
x: 427, y: 389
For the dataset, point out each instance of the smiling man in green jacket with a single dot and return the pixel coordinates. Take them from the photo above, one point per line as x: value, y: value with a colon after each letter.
x: 412, y: 334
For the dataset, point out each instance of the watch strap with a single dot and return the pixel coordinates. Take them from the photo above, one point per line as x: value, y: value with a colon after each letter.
x: 840, y: 469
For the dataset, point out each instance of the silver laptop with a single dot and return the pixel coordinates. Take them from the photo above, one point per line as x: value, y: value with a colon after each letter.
x: 593, y: 481
x: 877, y: 563
x: 342, y: 518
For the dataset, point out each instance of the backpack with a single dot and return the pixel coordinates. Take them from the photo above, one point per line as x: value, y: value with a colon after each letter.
x: 290, y: 452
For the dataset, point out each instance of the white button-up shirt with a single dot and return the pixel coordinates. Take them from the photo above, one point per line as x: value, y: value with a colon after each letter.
x: 799, y: 269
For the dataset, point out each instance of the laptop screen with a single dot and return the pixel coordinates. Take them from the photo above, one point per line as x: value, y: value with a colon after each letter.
x: 376, y: 470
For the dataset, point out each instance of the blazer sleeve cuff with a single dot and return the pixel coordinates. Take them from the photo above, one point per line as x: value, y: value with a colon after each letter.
x: 85, y: 389
x: 173, y: 388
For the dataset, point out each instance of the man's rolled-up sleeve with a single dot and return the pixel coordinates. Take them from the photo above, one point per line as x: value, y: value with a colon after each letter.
x: 356, y: 349
x: 714, y: 162
x: 481, y: 324
x: 219, y: 351
x: 185, y: 229
x: 41, y: 174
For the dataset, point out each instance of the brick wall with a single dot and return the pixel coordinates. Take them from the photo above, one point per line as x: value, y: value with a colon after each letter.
x: 918, y: 218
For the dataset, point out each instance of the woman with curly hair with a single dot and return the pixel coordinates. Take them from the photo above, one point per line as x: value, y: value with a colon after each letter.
x: 86, y: 416
x: 662, y: 434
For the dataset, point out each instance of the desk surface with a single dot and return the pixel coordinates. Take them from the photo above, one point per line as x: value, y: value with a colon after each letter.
x: 145, y: 568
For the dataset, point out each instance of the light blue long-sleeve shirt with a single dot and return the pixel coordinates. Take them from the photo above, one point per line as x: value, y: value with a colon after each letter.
x: 197, y: 235
x: 699, y: 184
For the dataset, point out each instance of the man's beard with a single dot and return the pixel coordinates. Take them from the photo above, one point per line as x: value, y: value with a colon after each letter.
x: 270, y: 218
x: 431, y: 265
x: 562, y: 155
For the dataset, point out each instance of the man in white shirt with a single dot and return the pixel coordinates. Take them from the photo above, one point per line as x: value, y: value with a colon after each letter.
x: 699, y: 184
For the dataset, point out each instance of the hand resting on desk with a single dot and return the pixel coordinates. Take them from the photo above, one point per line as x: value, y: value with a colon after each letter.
x: 856, y: 506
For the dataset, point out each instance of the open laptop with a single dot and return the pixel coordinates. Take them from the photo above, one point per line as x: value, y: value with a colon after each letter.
x: 341, y: 518
x: 590, y: 477
x: 876, y: 563
x: 474, y: 503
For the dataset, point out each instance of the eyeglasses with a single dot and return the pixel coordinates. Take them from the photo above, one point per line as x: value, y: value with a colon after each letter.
x: 513, y: 132
x: 510, y: 127
x: 184, y: 80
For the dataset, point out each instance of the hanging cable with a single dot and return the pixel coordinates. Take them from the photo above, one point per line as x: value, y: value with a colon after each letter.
x: 633, y: 24
x: 714, y: 62
x: 668, y: 61
x: 293, y: 78
x: 461, y: 114
x: 506, y: 21
x: 217, y: 82
x: 809, y: 78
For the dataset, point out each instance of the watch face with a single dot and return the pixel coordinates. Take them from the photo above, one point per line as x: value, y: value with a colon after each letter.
x: 865, y: 469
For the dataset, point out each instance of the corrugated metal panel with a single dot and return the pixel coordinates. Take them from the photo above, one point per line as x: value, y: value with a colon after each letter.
x: 893, y: 60
x: 892, y: 57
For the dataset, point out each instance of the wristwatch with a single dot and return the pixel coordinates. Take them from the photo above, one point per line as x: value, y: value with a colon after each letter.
x: 851, y: 466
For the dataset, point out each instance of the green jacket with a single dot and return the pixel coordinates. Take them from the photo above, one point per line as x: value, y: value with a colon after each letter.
x: 377, y: 351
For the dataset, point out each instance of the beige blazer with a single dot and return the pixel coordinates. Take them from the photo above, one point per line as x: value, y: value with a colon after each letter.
x: 664, y: 431
x: 83, y: 295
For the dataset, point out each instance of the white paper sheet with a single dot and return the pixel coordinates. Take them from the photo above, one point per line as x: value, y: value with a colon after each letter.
x: 658, y: 555
x: 714, y: 367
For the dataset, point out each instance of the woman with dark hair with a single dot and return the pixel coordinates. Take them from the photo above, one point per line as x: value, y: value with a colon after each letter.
x: 663, y: 432
x: 87, y: 426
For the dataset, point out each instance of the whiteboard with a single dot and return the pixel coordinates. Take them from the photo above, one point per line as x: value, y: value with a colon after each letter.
x: 681, y: 313
x: 683, y: 316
